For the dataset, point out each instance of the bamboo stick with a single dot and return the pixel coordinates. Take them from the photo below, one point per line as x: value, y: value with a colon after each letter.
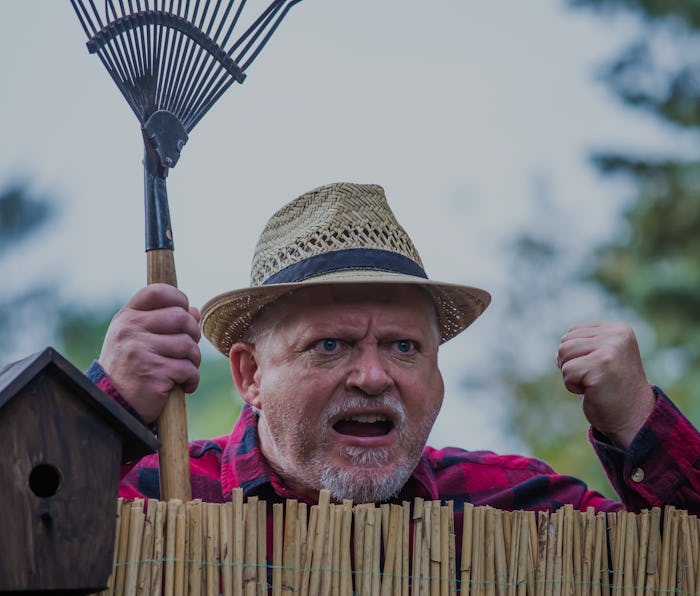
x: 490, y: 552
x: 158, y: 547
x: 290, y: 552
x: 319, y: 541
x: 346, y: 560
x: 406, y: 548
x: 327, y: 558
x: 359, y: 543
x: 277, y: 558
x: 238, y: 541
x: 596, y: 564
x: 250, y: 571
x: 558, y: 575
x: 577, y: 551
x: 307, y: 550
x: 390, y: 548
x: 641, y: 569
x: 543, y: 530
x: 452, y: 550
x: 444, y: 551
x: 513, y: 563
x: 261, y: 560
x: 109, y: 590
x: 426, y: 584
x: 134, y: 548
x: 195, y: 532
x: 146, y: 567
x: 416, y: 559
x: 367, y: 551
x: 171, y: 523
x: 337, y: 551
x: 377, y: 554
x: 631, y: 562
x: 466, y: 561
x: 588, y: 552
x: 435, y: 550
x: 500, y: 561
x: 652, y: 565
x: 605, y: 557
x: 180, y: 548
x: 532, y: 552
x: 567, y: 541
x: 226, y: 527
x: 665, y: 552
x: 122, y: 551
x: 213, y: 549
x: 524, y: 564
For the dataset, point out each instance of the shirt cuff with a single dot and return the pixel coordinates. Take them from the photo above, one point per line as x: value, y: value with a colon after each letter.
x: 98, y: 376
x: 660, y: 463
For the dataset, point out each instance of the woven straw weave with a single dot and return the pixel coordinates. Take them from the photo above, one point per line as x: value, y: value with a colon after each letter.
x: 333, y: 217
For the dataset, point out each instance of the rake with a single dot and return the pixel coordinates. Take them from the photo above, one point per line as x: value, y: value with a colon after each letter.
x: 172, y: 60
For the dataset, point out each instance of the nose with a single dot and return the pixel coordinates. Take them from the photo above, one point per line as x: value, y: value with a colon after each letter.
x: 368, y: 372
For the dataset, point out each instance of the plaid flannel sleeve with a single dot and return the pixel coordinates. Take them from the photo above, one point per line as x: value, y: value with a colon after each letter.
x: 661, y: 466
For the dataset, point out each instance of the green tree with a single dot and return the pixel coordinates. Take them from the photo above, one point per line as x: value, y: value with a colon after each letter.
x: 651, y: 270
x: 654, y: 267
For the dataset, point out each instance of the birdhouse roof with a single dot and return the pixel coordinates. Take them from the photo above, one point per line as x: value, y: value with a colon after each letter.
x: 137, y: 440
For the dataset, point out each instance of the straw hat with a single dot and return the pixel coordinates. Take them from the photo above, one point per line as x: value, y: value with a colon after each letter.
x: 339, y: 233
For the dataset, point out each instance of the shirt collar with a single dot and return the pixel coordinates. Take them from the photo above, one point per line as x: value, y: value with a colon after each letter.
x: 244, y: 465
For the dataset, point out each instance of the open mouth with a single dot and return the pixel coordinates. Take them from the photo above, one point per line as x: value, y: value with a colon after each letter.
x: 364, y: 425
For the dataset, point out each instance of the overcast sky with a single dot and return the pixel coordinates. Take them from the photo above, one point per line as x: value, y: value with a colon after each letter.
x: 455, y: 107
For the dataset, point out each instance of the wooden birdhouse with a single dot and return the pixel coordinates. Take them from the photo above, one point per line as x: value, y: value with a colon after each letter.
x: 61, y: 444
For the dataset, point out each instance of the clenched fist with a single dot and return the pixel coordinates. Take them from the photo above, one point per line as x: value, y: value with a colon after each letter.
x: 601, y: 363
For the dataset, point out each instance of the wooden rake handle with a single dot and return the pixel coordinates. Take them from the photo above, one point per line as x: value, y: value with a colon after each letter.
x: 174, y: 454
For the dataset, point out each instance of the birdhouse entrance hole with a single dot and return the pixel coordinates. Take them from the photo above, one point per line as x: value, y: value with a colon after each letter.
x: 45, y: 480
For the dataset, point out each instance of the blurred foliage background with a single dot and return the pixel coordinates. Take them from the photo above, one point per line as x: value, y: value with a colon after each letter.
x: 650, y: 273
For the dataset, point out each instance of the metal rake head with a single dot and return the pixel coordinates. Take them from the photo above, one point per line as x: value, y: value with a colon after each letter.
x: 171, y: 60
x: 177, y: 56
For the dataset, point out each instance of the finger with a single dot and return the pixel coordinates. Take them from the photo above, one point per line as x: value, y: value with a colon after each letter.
x: 176, y: 347
x: 573, y: 375
x: 163, y: 321
x: 155, y: 296
x: 571, y: 349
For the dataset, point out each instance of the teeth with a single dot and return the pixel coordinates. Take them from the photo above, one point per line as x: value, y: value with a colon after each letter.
x: 368, y: 418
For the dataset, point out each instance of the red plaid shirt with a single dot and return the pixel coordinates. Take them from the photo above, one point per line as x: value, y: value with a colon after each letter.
x: 662, y: 466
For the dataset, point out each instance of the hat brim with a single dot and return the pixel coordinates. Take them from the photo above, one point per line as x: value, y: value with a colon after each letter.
x: 227, y: 317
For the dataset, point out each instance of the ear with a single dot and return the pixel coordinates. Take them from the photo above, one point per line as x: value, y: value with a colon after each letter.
x: 244, y: 370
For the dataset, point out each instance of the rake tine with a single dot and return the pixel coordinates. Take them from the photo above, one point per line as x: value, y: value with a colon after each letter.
x: 136, y: 58
x: 184, y: 64
x: 232, y: 26
x: 211, y: 89
x: 255, y: 30
x: 222, y: 23
x: 84, y: 18
x: 170, y: 45
x: 270, y: 30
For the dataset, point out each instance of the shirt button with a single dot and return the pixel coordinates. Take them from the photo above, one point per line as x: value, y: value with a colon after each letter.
x: 637, y: 475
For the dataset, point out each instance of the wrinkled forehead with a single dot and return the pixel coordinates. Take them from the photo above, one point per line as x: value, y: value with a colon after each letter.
x: 344, y: 296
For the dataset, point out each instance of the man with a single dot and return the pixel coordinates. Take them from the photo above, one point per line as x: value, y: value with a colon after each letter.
x: 334, y: 349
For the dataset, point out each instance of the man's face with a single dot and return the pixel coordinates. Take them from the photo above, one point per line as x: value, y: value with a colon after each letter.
x: 347, y: 386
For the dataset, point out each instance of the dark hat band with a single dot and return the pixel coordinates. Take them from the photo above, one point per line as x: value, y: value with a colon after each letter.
x: 347, y: 260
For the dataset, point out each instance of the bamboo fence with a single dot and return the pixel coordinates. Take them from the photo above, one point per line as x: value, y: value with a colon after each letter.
x: 200, y: 549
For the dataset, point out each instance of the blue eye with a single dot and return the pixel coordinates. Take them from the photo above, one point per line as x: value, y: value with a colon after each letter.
x: 329, y: 344
x: 404, y: 346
